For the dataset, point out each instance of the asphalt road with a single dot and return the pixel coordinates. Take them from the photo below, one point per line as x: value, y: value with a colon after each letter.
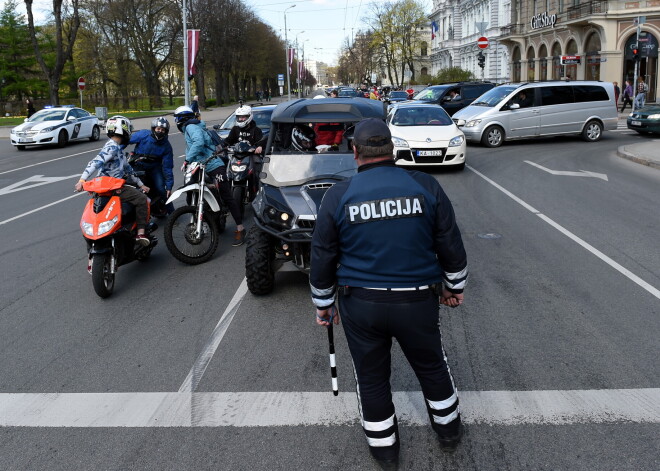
x: 555, y: 350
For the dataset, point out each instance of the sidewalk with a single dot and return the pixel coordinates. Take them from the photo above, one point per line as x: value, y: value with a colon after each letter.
x: 645, y: 152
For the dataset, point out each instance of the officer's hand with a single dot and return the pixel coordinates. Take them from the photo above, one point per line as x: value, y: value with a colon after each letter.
x: 323, y: 316
x: 451, y: 299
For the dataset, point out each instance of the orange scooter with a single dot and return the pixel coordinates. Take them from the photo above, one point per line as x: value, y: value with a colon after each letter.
x: 109, y: 229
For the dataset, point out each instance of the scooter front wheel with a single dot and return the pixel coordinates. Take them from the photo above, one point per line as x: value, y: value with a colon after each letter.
x: 102, y: 278
x: 182, y: 240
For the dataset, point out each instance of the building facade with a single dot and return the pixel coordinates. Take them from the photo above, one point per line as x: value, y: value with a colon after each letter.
x: 459, y: 24
x: 583, y: 40
x: 319, y: 70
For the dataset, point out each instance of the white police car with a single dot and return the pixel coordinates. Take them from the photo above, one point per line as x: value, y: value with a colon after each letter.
x: 56, y: 125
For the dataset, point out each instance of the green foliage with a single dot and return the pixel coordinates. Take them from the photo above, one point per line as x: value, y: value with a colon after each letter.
x: 453, y: 74
x: 211, y: 102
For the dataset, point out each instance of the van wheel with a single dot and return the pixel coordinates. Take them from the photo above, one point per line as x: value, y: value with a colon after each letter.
x: 493, y: 136
x: 593, y: 131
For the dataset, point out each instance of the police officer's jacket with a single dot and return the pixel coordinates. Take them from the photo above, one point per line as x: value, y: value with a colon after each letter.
x: 386, y: 227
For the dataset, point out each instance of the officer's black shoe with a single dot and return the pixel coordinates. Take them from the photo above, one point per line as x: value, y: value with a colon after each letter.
x: 449, y: 443
x: 386, y: 457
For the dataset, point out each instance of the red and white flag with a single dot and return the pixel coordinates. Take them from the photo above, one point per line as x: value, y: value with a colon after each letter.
x: 193, y: 47
x: 301, y: 70
x: 292, y: 53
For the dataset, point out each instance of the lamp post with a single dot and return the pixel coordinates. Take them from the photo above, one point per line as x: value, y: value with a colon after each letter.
x: 286, y: 53
x: 299, y: 94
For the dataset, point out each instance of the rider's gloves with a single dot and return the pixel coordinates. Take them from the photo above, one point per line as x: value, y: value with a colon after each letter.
x: 183, y: 167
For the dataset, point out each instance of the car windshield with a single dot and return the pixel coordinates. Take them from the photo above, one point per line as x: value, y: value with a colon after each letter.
x: 421, y: 116
x: 346, y: 93
x: 494, y: 96
x: 398, y: 95
x: 430, y: 94
x: 47, y: 115
x: 296, y: 169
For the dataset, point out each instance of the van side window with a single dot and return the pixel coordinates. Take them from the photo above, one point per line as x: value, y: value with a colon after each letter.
x: 590, y: 93
x: 556, y: 95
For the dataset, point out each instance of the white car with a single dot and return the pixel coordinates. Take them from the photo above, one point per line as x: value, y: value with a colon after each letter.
x: 56, y: 125
x: 424, y: 134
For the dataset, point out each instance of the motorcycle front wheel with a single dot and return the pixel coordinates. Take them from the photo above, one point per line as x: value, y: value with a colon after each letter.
x: 102, y: 279
x: 183, y: 243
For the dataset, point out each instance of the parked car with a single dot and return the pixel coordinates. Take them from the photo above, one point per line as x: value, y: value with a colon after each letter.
x: 56, y: 125
x: 552, y: 108
x: 260, y: 114
x: 467, y: 92
x: 424, y: 134
x: 395, y: 97
x: 347, y: 93
x: 645, y: 120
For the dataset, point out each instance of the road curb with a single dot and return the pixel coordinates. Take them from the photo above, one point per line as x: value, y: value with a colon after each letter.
x: 623, y: 153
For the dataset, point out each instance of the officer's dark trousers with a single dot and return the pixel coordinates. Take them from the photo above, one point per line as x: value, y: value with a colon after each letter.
x: 371, y: 319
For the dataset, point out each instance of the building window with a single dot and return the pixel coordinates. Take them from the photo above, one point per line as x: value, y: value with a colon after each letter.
x: 424, y: 47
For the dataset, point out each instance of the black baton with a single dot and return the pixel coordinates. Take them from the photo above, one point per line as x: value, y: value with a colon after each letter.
x: 333, y: 365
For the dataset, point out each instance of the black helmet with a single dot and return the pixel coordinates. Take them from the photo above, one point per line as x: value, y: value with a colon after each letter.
x: 302, y: 137
x: 160, y: 122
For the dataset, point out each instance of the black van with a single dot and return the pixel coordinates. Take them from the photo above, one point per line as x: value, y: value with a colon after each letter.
x: 453, y: 96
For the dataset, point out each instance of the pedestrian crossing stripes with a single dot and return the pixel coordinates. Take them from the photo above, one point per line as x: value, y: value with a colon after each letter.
x: 275, y: 409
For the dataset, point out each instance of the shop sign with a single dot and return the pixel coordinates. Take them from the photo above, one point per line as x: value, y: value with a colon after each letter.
x: 543, y: 20
x: 570, y: 60
x: 648, y: 45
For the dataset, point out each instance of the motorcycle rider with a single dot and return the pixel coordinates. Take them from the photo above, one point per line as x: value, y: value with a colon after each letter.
x: 199, y: 148
x: 156, y: 157
x: 111, y: 162
x: 246, y: 129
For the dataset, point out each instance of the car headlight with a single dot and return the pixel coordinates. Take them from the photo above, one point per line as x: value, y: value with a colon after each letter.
x: 13, y: 131
x: 456, y: 141
x: 472, y: 123
x: 48, y: 129
x: 107, y: 225
x: 87, y: 228
x: 238, y: 168
x: 398, y: 142
x: 654, y: 116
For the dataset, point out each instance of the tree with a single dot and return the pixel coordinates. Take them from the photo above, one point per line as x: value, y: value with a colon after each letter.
x: 453, y: 74
x: 66, y: 21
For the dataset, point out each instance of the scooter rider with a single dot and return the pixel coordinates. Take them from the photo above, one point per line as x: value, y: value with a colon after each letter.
x: 156, y: 157
x: 246, y: 129
x: 111, y: 162
x: 199, y: 147
x: 389, y: 286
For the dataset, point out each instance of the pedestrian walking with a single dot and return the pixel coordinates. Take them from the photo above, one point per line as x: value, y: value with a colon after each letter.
x: 627, y: 95
x: 617, y: 92
x: 640, y: 98
x: 30, y: 107
x: 388, y: 287
x: 194, y: 105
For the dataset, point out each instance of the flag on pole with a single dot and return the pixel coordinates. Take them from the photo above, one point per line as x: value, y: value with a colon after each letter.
x: 292, y: 52
x: 193, y: 47
x: 301, y: 70
x: 434, y: 29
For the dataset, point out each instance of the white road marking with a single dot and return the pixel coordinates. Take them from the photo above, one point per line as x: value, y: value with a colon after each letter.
x: 40, y: 208
x: 52, y: 160
x: 581, y: 173
x: 33, y: 181
x: 624, y: 271
x: 197, y: 371
x: 277, y: 409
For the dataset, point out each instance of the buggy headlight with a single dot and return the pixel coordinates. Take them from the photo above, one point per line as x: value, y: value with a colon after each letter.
x: 456, y: 141
x: 398, y: 142
x: 107, y: 225
x: 87, y: 228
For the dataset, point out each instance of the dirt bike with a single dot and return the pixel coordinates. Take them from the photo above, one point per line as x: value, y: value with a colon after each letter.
x: 192, y: 232
x: 109, y: 229
x: 243, y: 172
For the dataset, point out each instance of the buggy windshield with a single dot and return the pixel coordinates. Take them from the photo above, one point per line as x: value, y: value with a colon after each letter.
x: 297, y: 169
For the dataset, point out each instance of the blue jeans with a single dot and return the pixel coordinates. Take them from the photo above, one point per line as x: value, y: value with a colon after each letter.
x: 156, y: 180
x: 640, y: 99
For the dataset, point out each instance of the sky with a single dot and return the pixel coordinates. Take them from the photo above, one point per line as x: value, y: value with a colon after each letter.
x: 320, y: 26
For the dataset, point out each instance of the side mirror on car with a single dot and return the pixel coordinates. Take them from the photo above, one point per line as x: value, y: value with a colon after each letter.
x: 514, y: 106
x: 459, y: 122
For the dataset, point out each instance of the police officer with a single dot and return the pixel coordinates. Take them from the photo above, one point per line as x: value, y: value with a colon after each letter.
x: 387, y: 244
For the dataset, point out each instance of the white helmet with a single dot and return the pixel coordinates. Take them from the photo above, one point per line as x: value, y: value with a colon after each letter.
x: 318, y: 96
x: 243, y: 116
x: 182, y: 115
x: 119, y: 126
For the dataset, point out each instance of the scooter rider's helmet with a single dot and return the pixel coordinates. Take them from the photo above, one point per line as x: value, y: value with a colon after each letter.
x: 243, y: 116
x: 182, y: 115
x: 160, y: 122
x: 119, y: 126
x: 302, y: 138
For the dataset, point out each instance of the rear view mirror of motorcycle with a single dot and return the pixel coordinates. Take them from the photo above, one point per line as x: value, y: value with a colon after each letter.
x: 217, y: 127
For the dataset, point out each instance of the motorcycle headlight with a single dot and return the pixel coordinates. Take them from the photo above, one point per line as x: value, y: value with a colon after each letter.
x: 398, y: 142
x: 87, y: 228
x: 107, y: 225
x: 48, y: 129
x: 456, y: 141
x: 238, y: 168
x: 472, y: 123
x: 654, y: 116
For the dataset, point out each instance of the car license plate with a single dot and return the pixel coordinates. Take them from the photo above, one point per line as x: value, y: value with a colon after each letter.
x: 24, y: 139
x: 428, y: 153
x: 636, y: 123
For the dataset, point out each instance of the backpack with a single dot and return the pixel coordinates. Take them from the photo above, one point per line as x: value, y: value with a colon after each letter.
x: 216, y: 140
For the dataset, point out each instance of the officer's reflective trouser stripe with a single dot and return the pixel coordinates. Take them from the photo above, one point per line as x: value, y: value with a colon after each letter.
x: 444, y: 411
x: 379, y: 434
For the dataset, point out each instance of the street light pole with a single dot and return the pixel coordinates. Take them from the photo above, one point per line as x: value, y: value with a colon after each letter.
x: 286, y: 54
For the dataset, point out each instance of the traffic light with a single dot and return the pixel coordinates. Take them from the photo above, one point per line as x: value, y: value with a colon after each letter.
x: 635, y: 52
x: 481, y: 59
